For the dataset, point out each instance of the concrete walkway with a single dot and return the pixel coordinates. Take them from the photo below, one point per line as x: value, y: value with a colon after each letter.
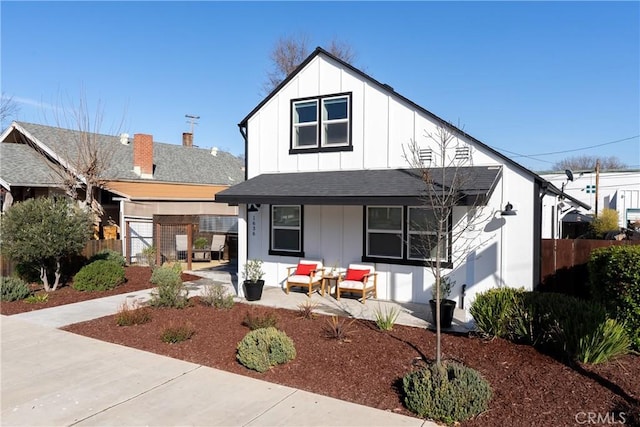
x: 51, y: 377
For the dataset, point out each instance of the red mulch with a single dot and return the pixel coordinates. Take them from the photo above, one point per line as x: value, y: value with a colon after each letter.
x: 530, y: 388
x: 137, y: 278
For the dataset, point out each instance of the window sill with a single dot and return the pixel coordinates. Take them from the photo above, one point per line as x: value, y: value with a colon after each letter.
x: 321, y: 149
x: 443, y: 264
x: 286, y: 253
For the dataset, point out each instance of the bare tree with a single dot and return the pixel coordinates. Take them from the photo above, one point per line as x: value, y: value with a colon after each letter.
x: 585, y: 162
x: 8, y: 108
x: 86, y: 155
x: 448, y: 228
x: 290, y: 51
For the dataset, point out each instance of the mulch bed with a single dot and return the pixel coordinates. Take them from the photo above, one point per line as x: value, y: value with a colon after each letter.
x: 137, y: 279
x: 530, y: 388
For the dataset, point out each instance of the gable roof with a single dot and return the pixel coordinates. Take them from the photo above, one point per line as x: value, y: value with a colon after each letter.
x: 545, y: 185
x: 22, y: 166
x: 360, y: 187
x: 172, y: 163
x: 388, y: 89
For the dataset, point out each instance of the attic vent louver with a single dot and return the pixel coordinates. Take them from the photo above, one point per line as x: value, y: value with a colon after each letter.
x: 425, y: 155
x: 462, y: 153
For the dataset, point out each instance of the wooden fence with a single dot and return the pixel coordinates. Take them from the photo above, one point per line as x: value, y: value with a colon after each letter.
x: 564, y: 263
x: 91, y: 248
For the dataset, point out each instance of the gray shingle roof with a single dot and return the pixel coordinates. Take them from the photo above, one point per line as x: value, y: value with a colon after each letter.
x: 172, y: 163
x: 22, y: 166
x: 358, y: 187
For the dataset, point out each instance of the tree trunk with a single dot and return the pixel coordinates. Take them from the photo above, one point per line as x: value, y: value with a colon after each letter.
x: 57, y: 275
x: 45, y: 280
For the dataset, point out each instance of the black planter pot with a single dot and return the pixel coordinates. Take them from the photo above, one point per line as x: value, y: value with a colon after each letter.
x: 253, y: 290
x: 447, y: 306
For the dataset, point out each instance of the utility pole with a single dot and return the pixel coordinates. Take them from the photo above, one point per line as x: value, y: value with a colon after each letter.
x: 597, y: 183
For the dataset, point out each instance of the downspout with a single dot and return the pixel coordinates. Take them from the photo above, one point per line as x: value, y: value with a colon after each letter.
x: 244, y: 131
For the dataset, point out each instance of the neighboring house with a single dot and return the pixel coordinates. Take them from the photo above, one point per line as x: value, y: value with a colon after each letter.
x: 617, y: 189
x: 326, y: 179
x: 144, y: 179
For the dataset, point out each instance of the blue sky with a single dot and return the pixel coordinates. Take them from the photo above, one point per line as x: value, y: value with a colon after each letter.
x: 523, y: 77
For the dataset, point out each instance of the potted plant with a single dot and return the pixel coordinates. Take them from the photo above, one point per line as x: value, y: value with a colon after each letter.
x: 447, y: 306
x: 253, y: 282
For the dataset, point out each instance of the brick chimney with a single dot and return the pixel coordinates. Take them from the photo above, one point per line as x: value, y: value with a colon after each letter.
x: 187, y: 139
x: 143, y: 155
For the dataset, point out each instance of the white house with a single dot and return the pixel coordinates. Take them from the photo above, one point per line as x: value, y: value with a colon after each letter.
x: 327, y: 179
x: 617, y: 189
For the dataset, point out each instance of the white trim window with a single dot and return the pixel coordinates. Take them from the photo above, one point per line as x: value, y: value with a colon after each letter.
x: 322, y: 122
x: 422, y: 235
x: 286, y: 228
x: 384, y: 231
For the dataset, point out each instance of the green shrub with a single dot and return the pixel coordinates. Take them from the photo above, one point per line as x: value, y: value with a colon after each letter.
x: 606, y: 221
x: 266, y: 347
x: 170, y: 291
x: 562, y: 324
x: 216, y: 295
x: 37, y: 298
x: 13, y: 289
x: 449, y: 392
x: 614, y: 276
x: 101, y: 275
x: 495, y: 313
x: 177, y: 333
x: 109, y: 255
x: 253, y: 322
x: 387, y: 318
x: 608, y: 341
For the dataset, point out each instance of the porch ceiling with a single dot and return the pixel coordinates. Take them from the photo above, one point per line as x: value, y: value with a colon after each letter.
x: 360, y: 187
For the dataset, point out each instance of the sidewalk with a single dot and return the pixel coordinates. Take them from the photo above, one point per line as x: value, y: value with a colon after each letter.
x: 52, y: 377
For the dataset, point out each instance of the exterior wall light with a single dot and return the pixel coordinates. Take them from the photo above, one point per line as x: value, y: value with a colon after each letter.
x: 253, y: 208
x: 508, y: 210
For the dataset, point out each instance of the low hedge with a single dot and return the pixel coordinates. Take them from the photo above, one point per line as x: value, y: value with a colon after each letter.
x: 562, y: 324
x: 614, y: 279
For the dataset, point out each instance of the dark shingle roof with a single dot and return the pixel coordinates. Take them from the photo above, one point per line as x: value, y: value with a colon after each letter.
x: 358, y: 187
x: 22, y: 166
x: 172, y: 163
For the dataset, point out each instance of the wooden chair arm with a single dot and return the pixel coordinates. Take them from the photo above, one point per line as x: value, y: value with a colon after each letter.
x: 289, y: 270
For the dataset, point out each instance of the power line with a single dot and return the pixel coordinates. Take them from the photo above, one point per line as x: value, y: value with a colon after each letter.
x: 585, y: 148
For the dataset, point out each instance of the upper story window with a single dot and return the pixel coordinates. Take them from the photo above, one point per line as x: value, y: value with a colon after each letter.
x: 321, y: 124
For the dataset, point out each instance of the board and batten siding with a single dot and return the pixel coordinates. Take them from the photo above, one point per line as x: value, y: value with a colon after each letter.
x: 381, y: 125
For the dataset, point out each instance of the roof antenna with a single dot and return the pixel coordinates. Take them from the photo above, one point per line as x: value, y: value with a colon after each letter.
x: 192, y: 120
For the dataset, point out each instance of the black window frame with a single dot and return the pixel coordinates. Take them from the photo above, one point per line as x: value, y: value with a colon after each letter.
x: 282, y: 252
x: 405, y: 260
x: 319, y: 148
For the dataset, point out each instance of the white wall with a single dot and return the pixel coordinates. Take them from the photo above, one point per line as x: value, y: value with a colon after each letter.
x: 618, y: 190
x: 498, y: 252
x: 381, y: 125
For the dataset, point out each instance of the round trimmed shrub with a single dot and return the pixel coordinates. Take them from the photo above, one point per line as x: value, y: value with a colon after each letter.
x: 101, y: 275
x: 13, y: 289
x: 266, y: 347
x: 449, y: 392
x: 109, y: 255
